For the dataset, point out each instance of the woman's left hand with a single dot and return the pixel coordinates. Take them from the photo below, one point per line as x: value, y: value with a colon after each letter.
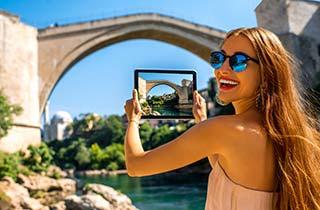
x: 132, y: 107
x: 199, y: 108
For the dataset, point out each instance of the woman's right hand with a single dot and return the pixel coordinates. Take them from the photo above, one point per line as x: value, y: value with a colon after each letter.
x: 199, y: 108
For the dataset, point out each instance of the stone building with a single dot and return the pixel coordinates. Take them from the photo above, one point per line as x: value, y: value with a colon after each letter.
x: 57, y: 129
x: 297, y: 23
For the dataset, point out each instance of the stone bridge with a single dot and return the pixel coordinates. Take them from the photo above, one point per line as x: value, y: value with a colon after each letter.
x: 182, y: 90
x: 61, y: 47
x: 35, y: 60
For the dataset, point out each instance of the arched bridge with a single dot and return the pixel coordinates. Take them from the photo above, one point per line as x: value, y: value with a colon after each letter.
x: 63, y: 46
x: 182, y: 90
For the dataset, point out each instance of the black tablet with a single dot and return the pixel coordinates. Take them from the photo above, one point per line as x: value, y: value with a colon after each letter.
x: 165, y: 93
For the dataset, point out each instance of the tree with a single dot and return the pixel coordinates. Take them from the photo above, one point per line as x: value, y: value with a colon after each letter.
x: 7, y: 111
x: 145, y: 131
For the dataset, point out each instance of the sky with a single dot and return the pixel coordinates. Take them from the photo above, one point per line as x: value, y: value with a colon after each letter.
x: 176, y: 78
x: 103, y: 81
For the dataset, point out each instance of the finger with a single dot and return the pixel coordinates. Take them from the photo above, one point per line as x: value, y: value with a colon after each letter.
x: 134, y: 94
x: 195, y: 93
x: 198, y: 99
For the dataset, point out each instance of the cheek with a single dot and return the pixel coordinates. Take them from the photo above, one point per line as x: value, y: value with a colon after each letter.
x: 249, y: 84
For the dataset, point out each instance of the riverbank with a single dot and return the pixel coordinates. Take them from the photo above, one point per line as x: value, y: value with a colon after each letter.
x: 200, y: 167
x: 41, y: 192
x: 102, y: 172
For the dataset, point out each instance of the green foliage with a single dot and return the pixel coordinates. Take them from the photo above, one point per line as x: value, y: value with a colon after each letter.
x: 71, y: 153
x: 145, y: 131
x: 159, y: 136
x: 40, y: 158
x: 98, y: 157
x: 111, y: 131
x: 82, y: 157
x: 103, y: 148
x: 7, y: 111
x: 156, y: 101
x: 115, y: 156
x: 112, y: 157
x: 9, y: 165
x: 113, y: 166
x: 86, y: 125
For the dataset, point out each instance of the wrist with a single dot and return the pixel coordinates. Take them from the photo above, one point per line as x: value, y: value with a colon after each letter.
x: 135, y: 121
x: 197, y: 120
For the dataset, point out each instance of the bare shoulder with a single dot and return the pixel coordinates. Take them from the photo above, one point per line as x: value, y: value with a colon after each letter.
x: 237, y: 135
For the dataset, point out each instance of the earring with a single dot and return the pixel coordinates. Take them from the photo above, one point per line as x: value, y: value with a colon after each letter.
x: 219, y: 101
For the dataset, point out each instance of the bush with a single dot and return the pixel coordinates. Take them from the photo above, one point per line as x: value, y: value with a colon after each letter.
x: 115, y: 156
x: 6, y: 114
x: 40, y: 158
x: 10, y: 165
x: 111, y: 158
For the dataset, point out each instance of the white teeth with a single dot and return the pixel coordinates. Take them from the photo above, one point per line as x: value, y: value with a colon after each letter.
x: 228, y: 82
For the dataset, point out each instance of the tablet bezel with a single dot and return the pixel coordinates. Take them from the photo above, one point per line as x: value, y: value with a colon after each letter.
x: 166, y: 71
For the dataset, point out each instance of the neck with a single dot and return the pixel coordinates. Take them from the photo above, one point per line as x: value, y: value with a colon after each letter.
x: 244, y: 105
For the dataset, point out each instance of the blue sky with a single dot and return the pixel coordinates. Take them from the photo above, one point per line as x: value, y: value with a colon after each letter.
x: 103, y: 81
x: 165, y: 89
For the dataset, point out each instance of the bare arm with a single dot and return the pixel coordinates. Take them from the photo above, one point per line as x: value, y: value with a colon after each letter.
x: 202, y: 140
x: 198, y: 142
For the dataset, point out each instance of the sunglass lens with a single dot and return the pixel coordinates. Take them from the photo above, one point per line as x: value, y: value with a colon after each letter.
x: 217, y: 59
x: 238, y: 62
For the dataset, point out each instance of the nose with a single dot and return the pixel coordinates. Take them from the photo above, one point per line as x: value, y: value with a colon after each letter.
x: 225, y: 69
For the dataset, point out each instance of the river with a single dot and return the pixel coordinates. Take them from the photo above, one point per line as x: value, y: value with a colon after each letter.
x: 159, y: 192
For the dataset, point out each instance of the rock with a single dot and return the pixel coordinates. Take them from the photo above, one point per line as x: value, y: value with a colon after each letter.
x: 70, y: 172
x: 47, y: 190
x: 55, y: 172
x: 67, y: 185
x: 33, y: 204
x: 117, y: 199
x: 15, y: 196
x: 38, y: 183
x: 87, y: 202
x: 58, y: 206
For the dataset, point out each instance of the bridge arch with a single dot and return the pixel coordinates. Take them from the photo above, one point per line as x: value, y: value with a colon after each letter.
x: 63, y: 46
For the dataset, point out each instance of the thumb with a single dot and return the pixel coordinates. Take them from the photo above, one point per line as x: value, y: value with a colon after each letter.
x: 134, y: 94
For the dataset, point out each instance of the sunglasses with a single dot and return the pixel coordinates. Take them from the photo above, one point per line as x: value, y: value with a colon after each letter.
x: 238, y: 61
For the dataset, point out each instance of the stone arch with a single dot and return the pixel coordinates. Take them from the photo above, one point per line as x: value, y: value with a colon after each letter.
x: 182, y: 90
x: 63, y: 46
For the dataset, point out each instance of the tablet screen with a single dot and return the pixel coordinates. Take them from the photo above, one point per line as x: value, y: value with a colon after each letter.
x: 165, y: 93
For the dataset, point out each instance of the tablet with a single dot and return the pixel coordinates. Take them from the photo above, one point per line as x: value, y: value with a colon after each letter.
x: 165, y: 93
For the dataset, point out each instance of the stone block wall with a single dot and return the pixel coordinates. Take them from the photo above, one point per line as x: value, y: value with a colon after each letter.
x: 19, y: 80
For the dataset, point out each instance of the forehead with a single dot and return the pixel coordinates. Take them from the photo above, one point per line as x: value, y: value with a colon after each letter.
x: 238, y: 43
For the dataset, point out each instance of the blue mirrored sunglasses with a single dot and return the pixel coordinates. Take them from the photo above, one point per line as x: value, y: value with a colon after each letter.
x: 238, y: 61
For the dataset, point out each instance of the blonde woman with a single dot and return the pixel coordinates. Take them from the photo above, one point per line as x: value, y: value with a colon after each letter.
x: 265, y: 156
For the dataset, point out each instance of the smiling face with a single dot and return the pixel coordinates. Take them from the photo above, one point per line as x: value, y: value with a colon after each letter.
x: 247, y: 81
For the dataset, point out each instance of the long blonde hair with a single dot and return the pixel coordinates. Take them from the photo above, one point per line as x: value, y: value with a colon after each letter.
x: 289, y: 121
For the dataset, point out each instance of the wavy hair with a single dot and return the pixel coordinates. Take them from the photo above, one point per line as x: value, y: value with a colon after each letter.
x: 289, y: 120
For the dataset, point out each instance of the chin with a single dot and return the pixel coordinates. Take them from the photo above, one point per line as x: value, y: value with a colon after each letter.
x: 223, y: 98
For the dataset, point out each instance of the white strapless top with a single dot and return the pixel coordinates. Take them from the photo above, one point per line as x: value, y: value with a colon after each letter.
x: 225, y: 194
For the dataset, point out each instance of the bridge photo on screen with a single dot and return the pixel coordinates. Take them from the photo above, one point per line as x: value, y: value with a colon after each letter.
x: 166, y: 93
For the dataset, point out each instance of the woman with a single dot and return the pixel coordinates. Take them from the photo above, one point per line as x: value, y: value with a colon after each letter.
x: 267, y: 155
